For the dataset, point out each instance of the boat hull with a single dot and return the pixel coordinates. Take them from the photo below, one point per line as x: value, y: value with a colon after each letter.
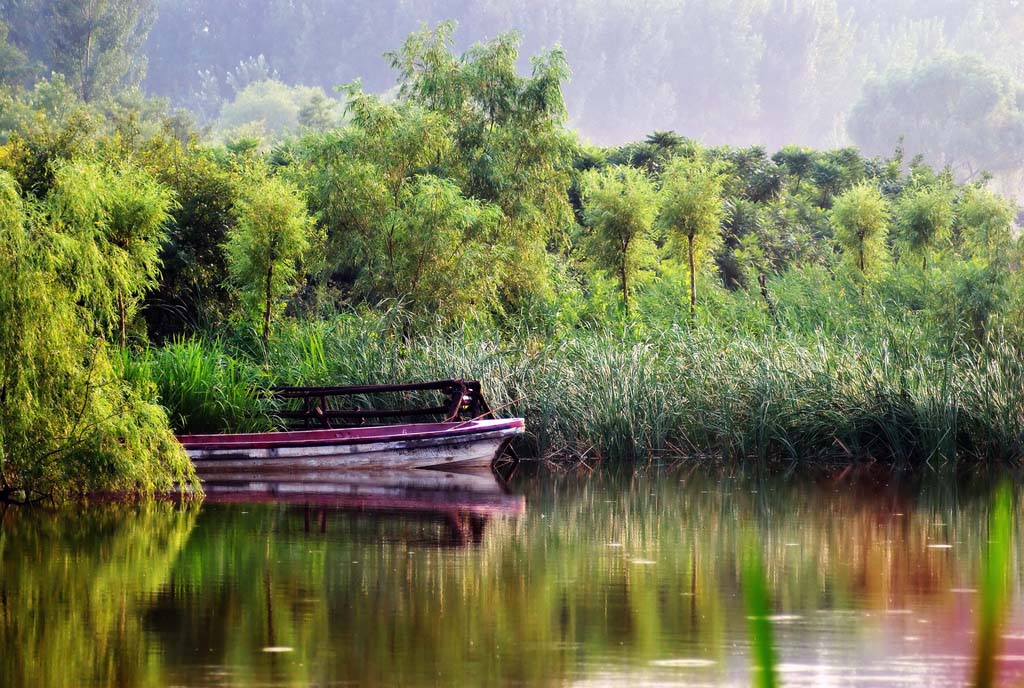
x: 469, y: 444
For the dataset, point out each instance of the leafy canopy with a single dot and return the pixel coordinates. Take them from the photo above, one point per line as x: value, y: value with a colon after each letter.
x: 925, y: 217
x: 692, y: 210
x: 860, y: 217
x: 70, y: 421
x: 112, y: 222
x: 620, y: 205
x: 265, y: 249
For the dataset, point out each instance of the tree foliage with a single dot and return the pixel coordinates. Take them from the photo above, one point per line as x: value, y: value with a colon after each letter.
x: 860, y: 217
x: 925, y: 218
x: 468, y: 142
x: 265, y: 249
x: 986, y: 222
x: 620, y: 206
x: 956, y: 111
x: 508, y: 147
x: 691, y: 212
x: 115, y: 218
x: 69, y: 420
x: 96, y: 43
x: 273, y: 110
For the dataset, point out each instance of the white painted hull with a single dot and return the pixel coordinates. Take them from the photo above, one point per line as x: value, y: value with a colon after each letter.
x: 475, y: 447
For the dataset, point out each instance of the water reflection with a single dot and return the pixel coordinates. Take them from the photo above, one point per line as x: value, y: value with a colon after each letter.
x: 593, y: 580
x: 465, y: 501
x: 76, y: 587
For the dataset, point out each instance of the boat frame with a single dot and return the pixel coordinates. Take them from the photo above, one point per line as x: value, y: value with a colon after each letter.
x: 468, y: 436
x: 320, y: 405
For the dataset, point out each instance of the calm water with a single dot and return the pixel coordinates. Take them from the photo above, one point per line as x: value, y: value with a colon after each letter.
x: 568, y: 580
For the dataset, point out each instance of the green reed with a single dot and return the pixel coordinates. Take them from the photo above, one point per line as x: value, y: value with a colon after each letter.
x: 623, y: 397
x: 205, y: 389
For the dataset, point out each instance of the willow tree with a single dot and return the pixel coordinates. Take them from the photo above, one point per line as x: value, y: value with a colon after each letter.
x: 116, y: 216
x: 138, y: 210
x: 265, y: 249
x: 691, y: 211
x: 70, y: 421
x: 924, y: 217
x: 860, y: 218
x: 620, y: 205
x: 509, y: 145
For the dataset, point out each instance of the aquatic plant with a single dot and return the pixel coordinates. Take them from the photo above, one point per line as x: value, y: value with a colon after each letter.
x: 204, y: 389
x: 776, y: 400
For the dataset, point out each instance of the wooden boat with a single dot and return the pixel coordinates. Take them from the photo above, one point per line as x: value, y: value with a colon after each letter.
x: 469, y: 435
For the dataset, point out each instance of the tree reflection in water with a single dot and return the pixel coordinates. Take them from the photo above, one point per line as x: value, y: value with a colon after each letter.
x: 592, y: 579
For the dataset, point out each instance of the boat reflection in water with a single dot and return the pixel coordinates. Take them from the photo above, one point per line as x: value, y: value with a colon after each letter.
x: 465, y: 500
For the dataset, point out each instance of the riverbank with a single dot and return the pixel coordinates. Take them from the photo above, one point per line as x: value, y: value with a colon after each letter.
x: 772, y: 400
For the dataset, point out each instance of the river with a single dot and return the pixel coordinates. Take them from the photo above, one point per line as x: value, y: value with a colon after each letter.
x: 557, y: 579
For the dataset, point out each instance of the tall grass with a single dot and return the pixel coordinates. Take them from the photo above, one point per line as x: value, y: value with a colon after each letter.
x: 204, y: 389
x: 771, y: 399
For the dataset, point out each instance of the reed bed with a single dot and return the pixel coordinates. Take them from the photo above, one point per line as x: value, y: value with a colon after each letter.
x: 619, y: 397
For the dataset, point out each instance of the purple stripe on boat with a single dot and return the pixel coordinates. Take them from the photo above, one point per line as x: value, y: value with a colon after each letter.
x: 347, y: 436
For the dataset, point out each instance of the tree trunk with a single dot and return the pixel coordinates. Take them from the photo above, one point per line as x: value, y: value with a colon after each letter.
x: 266, y: 307
x: 762, y: 280
x: 625, y: 289
x: 863, y: 276
x: 693, y: 279
x: 122, y: 326
x: 85, y: 69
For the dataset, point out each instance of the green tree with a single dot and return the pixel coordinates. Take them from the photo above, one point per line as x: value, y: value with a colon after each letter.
x: 191, y: 290
x: 395, y: 226
x: 138, y: 208
x: 620, y: 205
x: 14, y: 66
x: 797, y: 162
x: 97, y: 44
x: 265, y: 249
x: 274, y: 110
x: 444, y: 251
x: 70, y: 421
x: 117, y: 216
x: 924, y: 217
x: 319, y: 113
x: 985, y: 221
x: 956, y: 111
x: 509, y: 146
x: 691, y: 211
x: 860, y: 218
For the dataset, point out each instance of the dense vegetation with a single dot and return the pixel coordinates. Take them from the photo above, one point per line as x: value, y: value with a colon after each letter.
x: 655, y: 298
x: 945, y: 76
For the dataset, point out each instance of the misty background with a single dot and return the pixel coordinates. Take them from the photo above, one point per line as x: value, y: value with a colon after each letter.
x: 945, y: 77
